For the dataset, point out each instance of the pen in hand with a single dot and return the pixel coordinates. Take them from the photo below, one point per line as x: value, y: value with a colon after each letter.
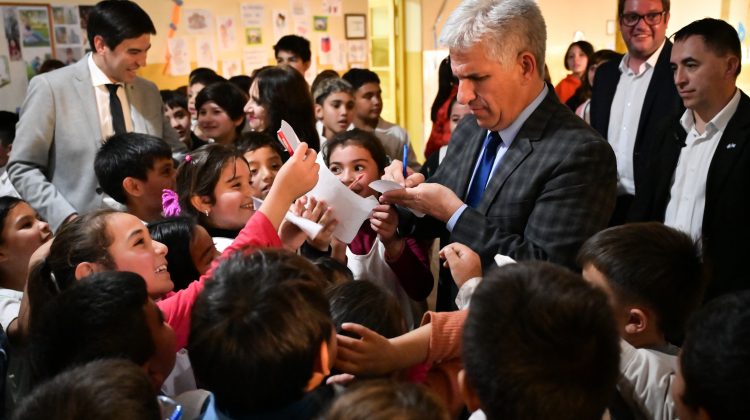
x: 406, y: 154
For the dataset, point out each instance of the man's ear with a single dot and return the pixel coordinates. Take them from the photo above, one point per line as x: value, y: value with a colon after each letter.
x: 85, y: 269
x: 132, y: 186
x: 467, y: 392
x: 732, y: 64
x: 637, y: 321
x: 321, y: 368
x: 528, y: 65
x: 99, y: 44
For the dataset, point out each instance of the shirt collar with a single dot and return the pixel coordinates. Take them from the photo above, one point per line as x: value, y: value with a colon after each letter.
x: 651, y: 62
x: 98, y: 78
x: 509, y: 133
x: 719, y: 122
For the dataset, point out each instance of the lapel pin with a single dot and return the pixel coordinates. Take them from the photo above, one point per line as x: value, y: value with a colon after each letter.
x: 731, y: 145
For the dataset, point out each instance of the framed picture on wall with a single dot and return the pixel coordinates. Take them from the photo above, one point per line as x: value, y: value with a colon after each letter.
x: 355, y: 26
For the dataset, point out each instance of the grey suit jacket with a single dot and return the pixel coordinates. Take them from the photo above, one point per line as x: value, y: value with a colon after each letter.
x: 58, y: 134
x: 555, y: 187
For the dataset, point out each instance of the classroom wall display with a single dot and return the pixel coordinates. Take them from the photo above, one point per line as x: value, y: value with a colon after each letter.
x: 29, y: 34
x: 69, y: 38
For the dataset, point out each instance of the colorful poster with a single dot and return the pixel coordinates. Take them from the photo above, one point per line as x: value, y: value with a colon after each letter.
x: 35, y: 28
x: 280, y: 19
x: 231, y: 68
x: 251, y: 14
x: 253, y: 36
x: 12, y: 33
x: 331, y: 7
x: 69, y: 39
x: 179, y: 56
x: 197, y: 21
x: 204, y: 50
x: 324, y: 52
x: 227, y: 32
x: 254, y: 58
x: 320, y: 23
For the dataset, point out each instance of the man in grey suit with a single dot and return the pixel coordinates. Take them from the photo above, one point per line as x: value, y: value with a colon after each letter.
x: 523, y: 176
x: 68, y: 113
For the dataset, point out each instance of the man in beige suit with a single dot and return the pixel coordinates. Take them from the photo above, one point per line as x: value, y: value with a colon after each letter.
x: 68, y: 113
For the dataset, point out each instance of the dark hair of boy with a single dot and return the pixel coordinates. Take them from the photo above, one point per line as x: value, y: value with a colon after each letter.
x: 199, y: 176
x: 204, y: 76
x: 715, y: 358
x: 8, y: 121
x: 254, y: 344
x: 381, y: 399
x: 242, y: 81
x: 101, y: 316
x: 109, y: 388
x: 174, y: 99
x: 251, y: 141
x: 357, y: 137
x: 365, y: 303
x: 720, y: 37
x: 323, y: 75
x: 227, y: 96
x: 294, y: 43
x: 358, y: 77
x: 650, y: 264
x: 285, y: 95
x: 116, y: 21
x: 127, y: 155
x: 177, y: 233
x: 334, y: 271
x: 540, y: 343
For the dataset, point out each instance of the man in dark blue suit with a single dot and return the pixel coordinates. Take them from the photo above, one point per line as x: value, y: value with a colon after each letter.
x: 700, y: 165
x: 523, y: 176
x: 633, y: 96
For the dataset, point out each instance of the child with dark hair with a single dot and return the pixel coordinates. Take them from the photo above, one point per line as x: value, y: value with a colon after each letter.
x: 386, y: 400
x: 334, y: 105
x: 293, y: 51
x: 263, y: 347
x: 191, y: 249
x: 399, y: 265
x: 176, y: 112
x: 134, y: 169
x: 364, y: 303
x: 242, y: 81
x: 108, y: 388
x: 281, y: 93
x: 21, y: 233
x: 200, y: 78
x: 713, y: 378
x: 334, y: 270
x: 653, y: 276
x: 220, y: 112
x: 264, y: 156
x: 8, y: 122
x: 104, y: 315
x: 368, y: 104
x: 539, y: 343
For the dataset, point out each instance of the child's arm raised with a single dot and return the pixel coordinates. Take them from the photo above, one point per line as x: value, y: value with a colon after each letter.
x: 298, y: 176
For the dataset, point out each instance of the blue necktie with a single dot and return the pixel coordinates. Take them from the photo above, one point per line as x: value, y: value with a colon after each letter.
x: 484, y: 169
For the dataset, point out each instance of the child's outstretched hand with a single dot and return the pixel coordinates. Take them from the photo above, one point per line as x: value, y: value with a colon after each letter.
x: 299, y: 174
x: 384, y: 221
x: 462, y: 261
x: 371, y: 355
x: 319, y: 212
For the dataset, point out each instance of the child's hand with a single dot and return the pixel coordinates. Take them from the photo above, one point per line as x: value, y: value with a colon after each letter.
x: 338, y: 251
x: 371, y: 355
x: 384, y: 221
x: 319, y: 212
x: 299, y: 174
x: 462, y: 261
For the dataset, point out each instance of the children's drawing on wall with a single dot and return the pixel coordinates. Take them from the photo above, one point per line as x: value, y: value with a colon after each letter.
x: 12, y: 33
x: 302, y: 26
x: 197, y: 20
x: 320, y: 23
x: 179, y: 61
x: 227, y: 32
x: 251, y: 14
x: 4, y: 70
x: 34, y: 24
x: 69, y: 55
x: 280, y: 23
x: 324, y: 55
x: 204, y: 48
x: 331, y: 7
x: 253, y: 36
x: 231, y: 68
x: 300, y: 8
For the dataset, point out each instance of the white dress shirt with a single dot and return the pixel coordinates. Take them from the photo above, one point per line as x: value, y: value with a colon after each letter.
x: 99, y: 80
x: 687, y: 196
x: 625, y: 116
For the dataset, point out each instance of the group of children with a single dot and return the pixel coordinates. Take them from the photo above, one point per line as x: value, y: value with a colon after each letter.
x: 190, y: 299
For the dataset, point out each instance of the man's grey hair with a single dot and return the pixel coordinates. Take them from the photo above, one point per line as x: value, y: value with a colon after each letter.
x: 329, y: 86
x: 503, y: 27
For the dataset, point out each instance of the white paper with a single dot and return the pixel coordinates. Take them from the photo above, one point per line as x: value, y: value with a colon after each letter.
x: 382, y: 186
x: 338, y: 55
x: 204, y: 49
x: 357, y: 51
x: 231, y: 68
x: 227, y: 31
x: 331, y: 7
x: 197, y: 21
x: 251, y: 14
x: 302, y: 27
x: 254, y: 58
x: 310, y: 228
x: 299, y: 7
x: 179, y: 59
x: 350, y: 209
x: 288, y: 137
x: 280, y: 22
